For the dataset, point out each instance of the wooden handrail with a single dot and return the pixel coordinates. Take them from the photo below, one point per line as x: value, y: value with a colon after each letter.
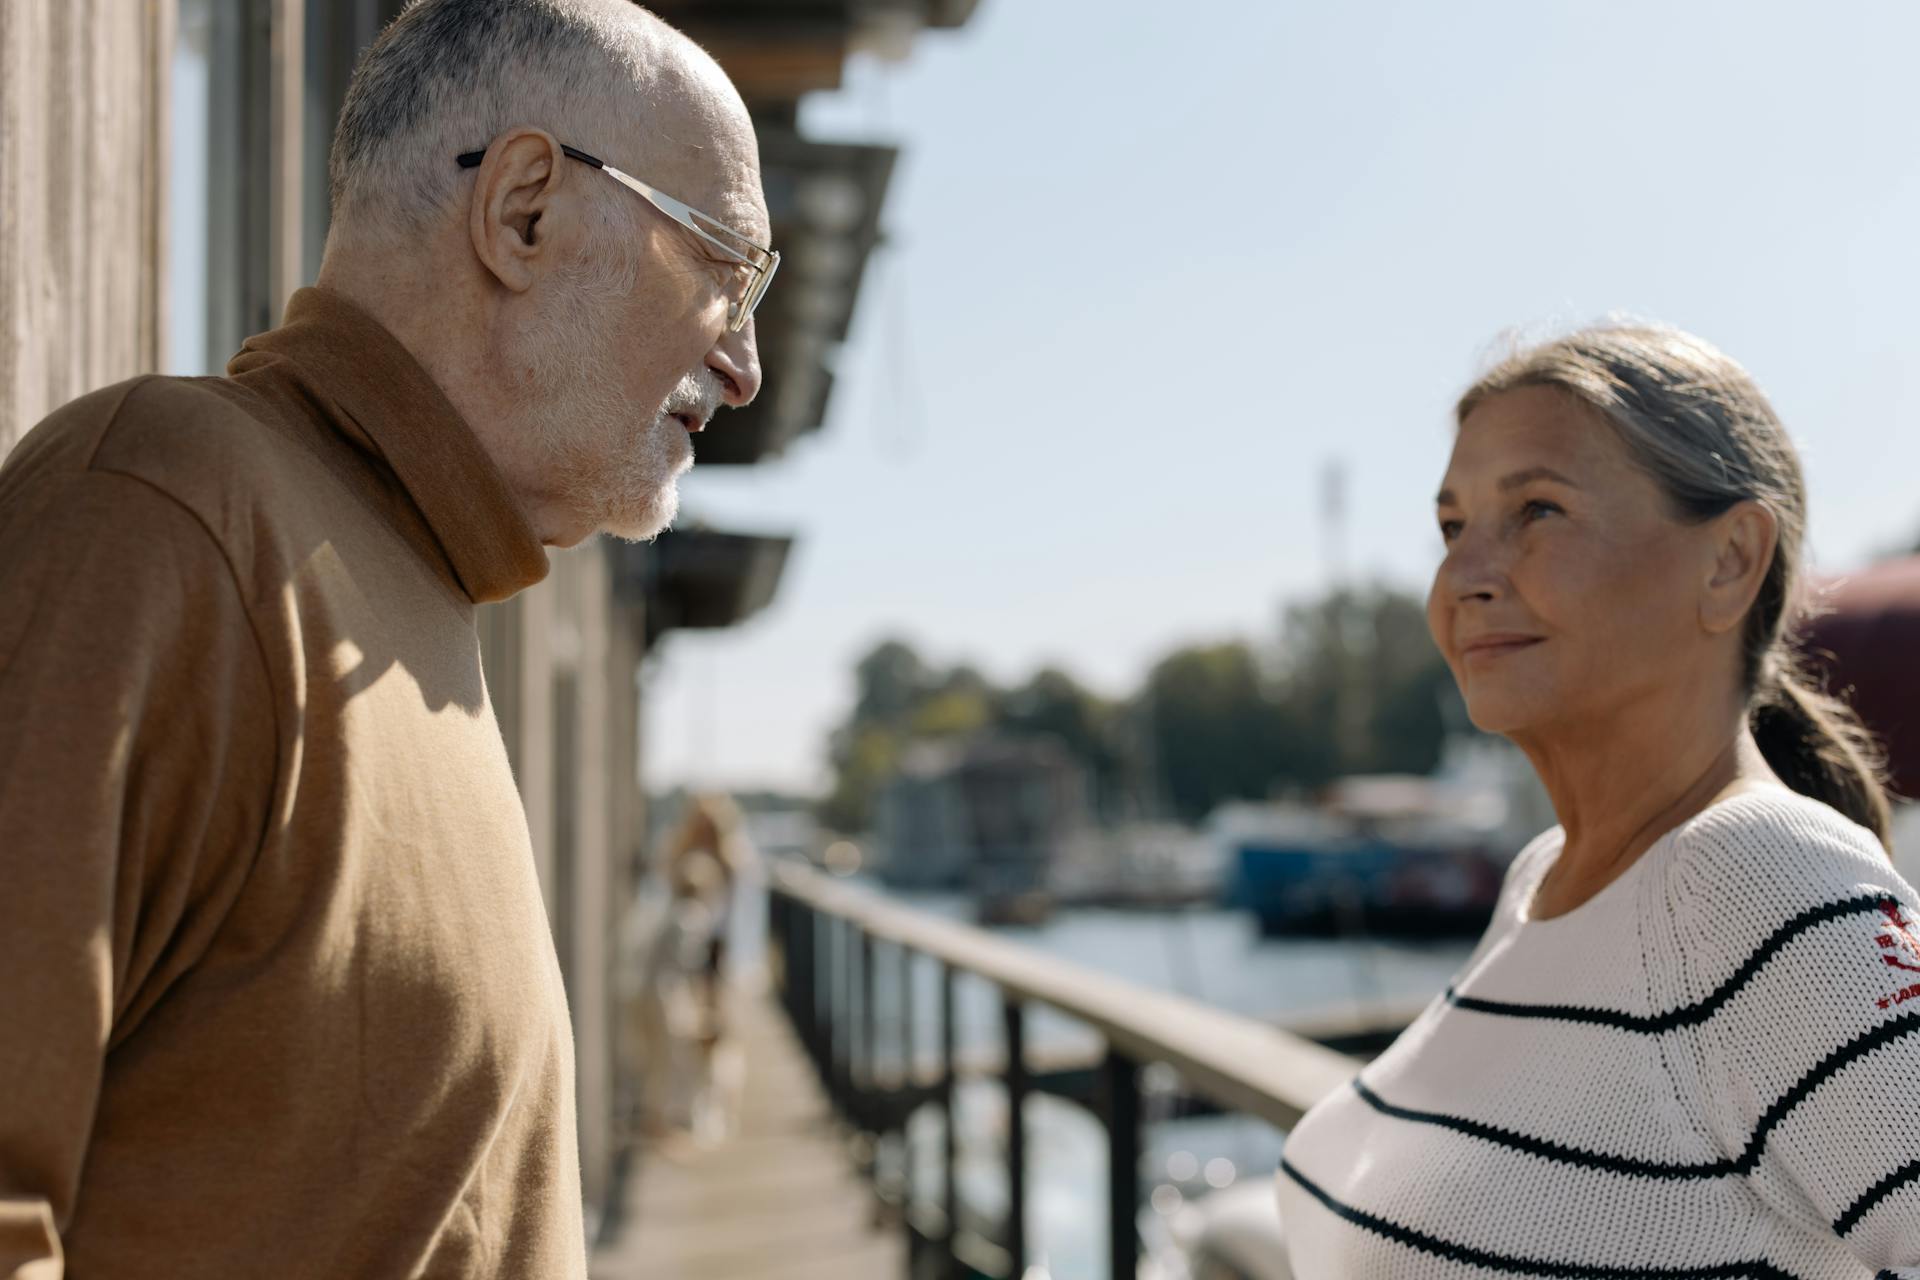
x: 1234, y: 1061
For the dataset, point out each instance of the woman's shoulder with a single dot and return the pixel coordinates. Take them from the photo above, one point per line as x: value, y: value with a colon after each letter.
x: 1768, y: 867
x: 1773, y: 847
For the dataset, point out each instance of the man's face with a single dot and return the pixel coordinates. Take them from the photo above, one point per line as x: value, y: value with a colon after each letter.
x: 630, y: 355
x: 612, y: 411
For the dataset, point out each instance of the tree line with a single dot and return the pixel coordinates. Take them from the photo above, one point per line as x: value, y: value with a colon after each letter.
x: 1350, y: 683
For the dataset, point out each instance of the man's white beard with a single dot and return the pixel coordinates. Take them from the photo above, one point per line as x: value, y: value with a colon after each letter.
x: 606, y: 468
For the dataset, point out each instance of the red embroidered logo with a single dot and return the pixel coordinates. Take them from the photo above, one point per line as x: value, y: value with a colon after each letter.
x: 1899, y: 950
x: 1898, y: 938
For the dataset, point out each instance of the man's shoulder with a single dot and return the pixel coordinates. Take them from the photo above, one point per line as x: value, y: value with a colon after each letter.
x: 201, y: 442
x: 183, y: 435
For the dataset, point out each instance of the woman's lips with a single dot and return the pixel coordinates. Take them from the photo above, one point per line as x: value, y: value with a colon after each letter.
x: 1487, y: 648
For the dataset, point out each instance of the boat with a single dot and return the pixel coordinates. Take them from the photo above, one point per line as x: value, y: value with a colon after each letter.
x: 1396, y: 854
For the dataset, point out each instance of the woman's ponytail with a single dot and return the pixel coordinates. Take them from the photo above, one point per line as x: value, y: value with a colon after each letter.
x: 1816, y: 744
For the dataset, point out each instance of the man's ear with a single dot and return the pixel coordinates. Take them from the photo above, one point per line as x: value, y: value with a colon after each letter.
x: 519, y: 177
x: 1743, y: 539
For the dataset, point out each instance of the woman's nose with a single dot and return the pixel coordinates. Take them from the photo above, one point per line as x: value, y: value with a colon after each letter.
x: 1473, y: 569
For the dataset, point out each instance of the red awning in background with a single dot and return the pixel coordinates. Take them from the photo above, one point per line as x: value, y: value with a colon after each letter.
x: 1869, y: 645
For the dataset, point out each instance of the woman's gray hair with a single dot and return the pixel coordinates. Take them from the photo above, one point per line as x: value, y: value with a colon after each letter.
x: 447, y: 76
x: 1696, y: 422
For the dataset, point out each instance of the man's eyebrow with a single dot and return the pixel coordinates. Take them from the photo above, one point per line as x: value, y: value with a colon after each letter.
x: 1446, y: 498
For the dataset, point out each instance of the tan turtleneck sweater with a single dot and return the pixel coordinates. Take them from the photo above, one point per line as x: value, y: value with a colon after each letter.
x: 277, y: 994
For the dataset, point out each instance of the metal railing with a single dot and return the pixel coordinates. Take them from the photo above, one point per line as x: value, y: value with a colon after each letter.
x: 828, y: 939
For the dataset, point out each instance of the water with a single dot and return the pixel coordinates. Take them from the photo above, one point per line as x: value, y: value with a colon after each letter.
x: 1214, y: 956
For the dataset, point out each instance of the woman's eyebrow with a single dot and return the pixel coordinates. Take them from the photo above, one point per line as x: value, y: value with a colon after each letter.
x: 1518, y: 478
x: 1446, y: 498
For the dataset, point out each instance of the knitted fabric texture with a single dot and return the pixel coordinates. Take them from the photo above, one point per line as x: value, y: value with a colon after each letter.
x: 1710, y: 1069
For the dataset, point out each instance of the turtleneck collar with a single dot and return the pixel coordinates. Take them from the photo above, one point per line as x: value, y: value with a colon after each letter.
x: 342, y: 367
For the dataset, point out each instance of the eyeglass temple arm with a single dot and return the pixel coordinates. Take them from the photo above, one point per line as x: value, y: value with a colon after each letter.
x: 472, y: 159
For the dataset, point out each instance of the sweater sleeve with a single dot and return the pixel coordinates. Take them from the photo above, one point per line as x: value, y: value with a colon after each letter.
x: 1802, y: 951
x: 136, y: 763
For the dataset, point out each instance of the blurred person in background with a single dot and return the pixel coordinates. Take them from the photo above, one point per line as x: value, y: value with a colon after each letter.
x: 280, y: 997
x: 679, y: 977
x: 1689, y: 1042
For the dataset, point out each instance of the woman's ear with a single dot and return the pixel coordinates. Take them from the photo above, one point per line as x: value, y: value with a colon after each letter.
x: 1742, y: 542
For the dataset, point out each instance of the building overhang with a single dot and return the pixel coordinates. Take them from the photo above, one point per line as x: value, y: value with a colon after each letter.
x: 776, y: 51
x: 698, y: 578
x: 825, y: 200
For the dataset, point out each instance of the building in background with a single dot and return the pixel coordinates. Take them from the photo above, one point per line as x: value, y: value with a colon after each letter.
x: 991, y: 816
x: 1865, y: 640
x: 163, y: 190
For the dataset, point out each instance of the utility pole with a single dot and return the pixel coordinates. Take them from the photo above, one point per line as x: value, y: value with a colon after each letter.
x: 1350, y: 692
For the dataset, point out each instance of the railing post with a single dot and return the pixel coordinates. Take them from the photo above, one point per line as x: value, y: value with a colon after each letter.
x: 1016, y: 1034
x: 849, y: 1013
x: 803, y: 995
x: 949, y: 1055
x: 840, y: 1001
x: 869, y: 1017
x: 856, y: 1013
x: 780, y: 942
x: 909, y: 1079
x: 1120, y: 1085
x: 820, y: 979
x: 826, y: 937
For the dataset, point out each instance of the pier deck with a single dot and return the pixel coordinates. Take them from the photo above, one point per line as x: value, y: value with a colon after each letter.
x: 778, y: 1199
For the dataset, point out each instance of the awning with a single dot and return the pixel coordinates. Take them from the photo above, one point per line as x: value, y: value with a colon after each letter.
x: 778, y: 50
x: 1868, y: 642
x: 698, y: 578
x: 825, y: 201
x: 824, y: 198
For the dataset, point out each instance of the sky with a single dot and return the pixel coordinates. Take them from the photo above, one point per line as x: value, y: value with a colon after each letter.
x: 1152, y: 270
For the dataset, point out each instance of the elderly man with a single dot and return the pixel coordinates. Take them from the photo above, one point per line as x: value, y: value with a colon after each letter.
x: 277, y: 995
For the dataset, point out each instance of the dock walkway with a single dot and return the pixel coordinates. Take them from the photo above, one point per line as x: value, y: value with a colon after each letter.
x: 780, y: 1199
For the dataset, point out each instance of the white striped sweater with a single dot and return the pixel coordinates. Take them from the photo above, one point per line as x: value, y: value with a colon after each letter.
x: 1710, y: 1069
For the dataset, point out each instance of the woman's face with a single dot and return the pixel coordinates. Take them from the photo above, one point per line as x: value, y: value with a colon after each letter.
x: 1570, y: 591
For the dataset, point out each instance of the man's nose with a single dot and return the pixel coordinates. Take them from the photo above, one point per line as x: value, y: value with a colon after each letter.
x: 736, y: 361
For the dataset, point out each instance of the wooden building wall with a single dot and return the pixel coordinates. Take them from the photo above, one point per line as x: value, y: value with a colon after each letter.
x: 82, y: 157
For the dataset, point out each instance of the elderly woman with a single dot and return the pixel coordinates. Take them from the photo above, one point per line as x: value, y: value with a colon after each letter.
x: 1689, y: 1044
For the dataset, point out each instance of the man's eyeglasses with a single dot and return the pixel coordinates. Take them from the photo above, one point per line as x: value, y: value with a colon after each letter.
x: 758, y: 259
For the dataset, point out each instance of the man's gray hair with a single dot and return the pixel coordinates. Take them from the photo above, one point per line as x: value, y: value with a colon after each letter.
x: 447, y: 76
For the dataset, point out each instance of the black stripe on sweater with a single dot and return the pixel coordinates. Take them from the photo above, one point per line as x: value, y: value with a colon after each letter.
x: 1907, y: 1173
x: 1546, y: 1150
x: 1748, y: 1160
x: 1688, y: 1014
x: 1509, y: 1264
